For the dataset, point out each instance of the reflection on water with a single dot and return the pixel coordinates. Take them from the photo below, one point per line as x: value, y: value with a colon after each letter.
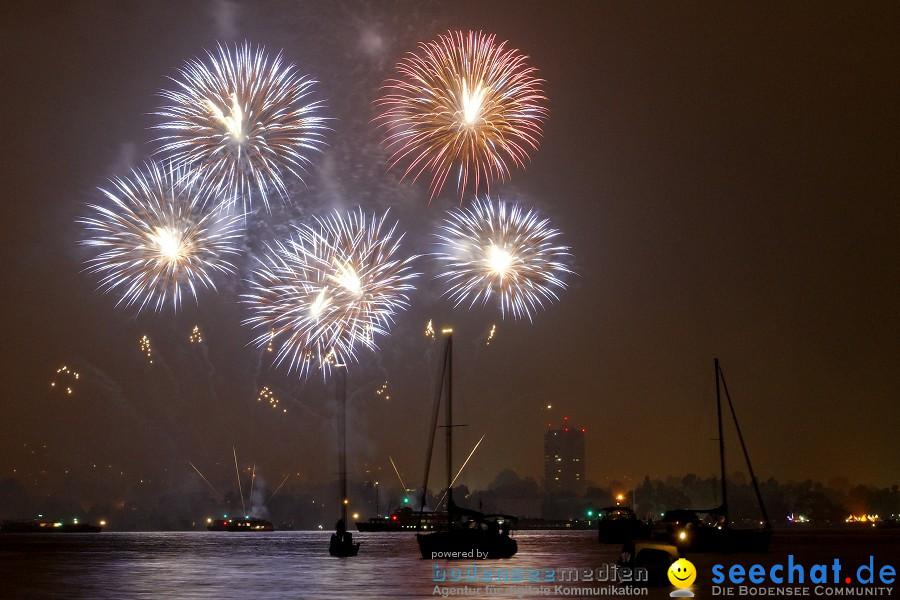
x: 297, y: 564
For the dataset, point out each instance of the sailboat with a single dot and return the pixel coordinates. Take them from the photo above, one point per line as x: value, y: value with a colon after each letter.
x: 468, y: 534
x: 713, y: 532
x: 341, y: 543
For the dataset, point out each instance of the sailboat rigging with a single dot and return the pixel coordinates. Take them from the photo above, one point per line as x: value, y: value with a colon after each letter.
x: 688, y: 531
x: 468, y: 533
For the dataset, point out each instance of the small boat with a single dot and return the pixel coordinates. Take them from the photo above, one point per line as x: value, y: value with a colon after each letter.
x: 405, y: 519
x: 468, y: 534
x: 618, y: 524
x: 36, y: 526
x: 240, y: 524
x: 341, y: 543
x: 710, y: 530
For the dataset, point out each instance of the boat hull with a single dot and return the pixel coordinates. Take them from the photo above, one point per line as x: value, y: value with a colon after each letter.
x: 241, y: 524
x: 734, y: 540
x: 619, y: 525
x: 385, y: 527
x: 342, y: 549
x: 46, y: 527
x: 622, y: 531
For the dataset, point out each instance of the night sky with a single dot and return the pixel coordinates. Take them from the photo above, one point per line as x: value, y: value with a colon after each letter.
x: 726, y: 176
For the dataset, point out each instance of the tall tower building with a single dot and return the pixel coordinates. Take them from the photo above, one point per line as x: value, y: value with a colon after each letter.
x: 564, y: 461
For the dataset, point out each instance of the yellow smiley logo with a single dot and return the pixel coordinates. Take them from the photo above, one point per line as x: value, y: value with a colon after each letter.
x: 682, y: 573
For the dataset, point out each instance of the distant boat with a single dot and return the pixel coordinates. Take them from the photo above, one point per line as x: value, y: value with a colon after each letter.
x: 710, y: 530
x: 538, y: 524
x: 35, y: 526
x: 468, y: 534
x: 618, y: 524
x: 405, y: 519
x: 341, y: 543
x: 240, y: 524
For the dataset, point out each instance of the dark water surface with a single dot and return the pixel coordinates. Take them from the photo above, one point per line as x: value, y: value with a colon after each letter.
x: 297, y: 565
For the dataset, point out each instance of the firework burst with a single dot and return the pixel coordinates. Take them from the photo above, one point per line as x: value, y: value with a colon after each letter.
x: 463, y: 105
x: 497, y: 249
x: 159, y: 237
x: 333, y: 285
x: 243, y: 121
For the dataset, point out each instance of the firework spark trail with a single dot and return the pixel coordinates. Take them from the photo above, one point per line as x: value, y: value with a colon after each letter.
x: 278, y: 488
x: 159, y: 236
x: 146, y: 348
x: 205, y: 479
x: 332, y: 286
x: 490, y: 335
x: 196, y: 340
x: 252, y: 482
x: 498, y: 249
x: 65, y: 379
x: 240, y: 487
x: 242, y: 120
x: 398, y: 474
x: 463, y: 103
x: 268, y: 396
x: 458, y: 473
x: 196, y: 336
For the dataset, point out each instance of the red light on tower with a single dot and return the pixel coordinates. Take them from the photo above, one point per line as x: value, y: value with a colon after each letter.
x: 583, y: 430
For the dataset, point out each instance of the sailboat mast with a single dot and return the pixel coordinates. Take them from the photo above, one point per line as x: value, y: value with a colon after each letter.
x: 449, y: 421
x: 438, y: 392
x: 342, y: 434
x: 721, y: 445
x: 737, y: 426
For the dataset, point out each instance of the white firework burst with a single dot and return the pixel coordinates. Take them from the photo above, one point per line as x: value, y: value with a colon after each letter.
x: 495, y: 249
x: 243, y: 121
x: 331, y: 287
x: 158, y: 237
